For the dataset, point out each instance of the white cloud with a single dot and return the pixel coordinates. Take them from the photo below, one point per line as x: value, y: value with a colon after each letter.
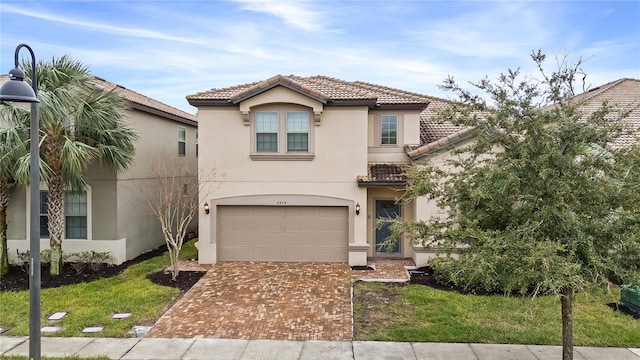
x: 292, y: 12
x: 126, y: 31
x: 491, y: 30
x: 168, y: 50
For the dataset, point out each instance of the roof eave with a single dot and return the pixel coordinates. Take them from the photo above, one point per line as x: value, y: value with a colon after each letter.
x: 154, y: 111
x: 435, y: 146
x: 410, y: 106
x: 209, y: 102
x: 383, y: 184
x: 371, y: 103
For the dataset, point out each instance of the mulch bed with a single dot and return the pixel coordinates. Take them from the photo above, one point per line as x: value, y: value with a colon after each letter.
x: 18, y: 278
x: 184, y: 281
x: 425, y: 276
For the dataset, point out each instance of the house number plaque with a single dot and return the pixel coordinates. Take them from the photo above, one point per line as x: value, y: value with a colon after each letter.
x: 281, y: 203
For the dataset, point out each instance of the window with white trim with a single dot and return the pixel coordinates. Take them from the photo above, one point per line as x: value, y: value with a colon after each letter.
x: 182, y: 141
x: 298, y: 131
x: 389, y: 130
x: 266, y: 131
x: 75, y: 211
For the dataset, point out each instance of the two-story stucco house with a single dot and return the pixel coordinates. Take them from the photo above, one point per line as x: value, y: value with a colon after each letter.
x: 306, y: 165
x: 112, y: 215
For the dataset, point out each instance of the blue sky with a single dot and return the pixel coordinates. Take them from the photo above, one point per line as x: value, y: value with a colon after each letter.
x: 170, y: 49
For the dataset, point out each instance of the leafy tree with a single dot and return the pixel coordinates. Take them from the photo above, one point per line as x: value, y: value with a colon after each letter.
x: 80, y: 123
x: 537, y: 203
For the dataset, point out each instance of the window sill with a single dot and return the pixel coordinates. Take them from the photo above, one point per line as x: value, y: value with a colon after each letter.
x: 282, y: 156
x: 386, y: 149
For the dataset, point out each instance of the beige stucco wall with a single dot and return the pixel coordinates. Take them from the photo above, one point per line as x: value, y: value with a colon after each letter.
x: 158, y: 144
x: 158, y: 141
x: 409, y: 133
x: 425, y: 209
x: 227, y: 170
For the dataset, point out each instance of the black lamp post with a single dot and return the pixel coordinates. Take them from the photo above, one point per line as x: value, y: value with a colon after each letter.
x: 17, y: 90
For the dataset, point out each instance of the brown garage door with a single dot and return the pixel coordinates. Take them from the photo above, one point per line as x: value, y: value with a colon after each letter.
x: 282, y: 233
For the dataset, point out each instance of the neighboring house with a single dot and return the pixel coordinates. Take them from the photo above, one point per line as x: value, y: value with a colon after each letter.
x: 112, y: 215
x: 305, y: 166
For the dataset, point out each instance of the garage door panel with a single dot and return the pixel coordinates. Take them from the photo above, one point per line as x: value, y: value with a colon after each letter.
x: 269, y: 233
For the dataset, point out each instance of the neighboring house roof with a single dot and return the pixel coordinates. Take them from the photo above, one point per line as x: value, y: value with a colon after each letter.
x: 384, y: 175
x: 140, y: 102
x: 430, y: 130
x: 435, y: 135
x: 435, y: 145
x: 622, y: 94
x: 147, y: 104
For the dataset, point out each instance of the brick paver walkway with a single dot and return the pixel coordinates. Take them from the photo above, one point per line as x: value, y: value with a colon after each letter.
x: 385, y: 270
x: 279, y: 301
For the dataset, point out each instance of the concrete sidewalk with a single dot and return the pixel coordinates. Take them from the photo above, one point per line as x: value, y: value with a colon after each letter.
x: 208, y: 349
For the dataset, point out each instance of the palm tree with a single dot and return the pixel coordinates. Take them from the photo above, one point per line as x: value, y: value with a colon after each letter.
x: 80, y: 123
x: 13, y: 147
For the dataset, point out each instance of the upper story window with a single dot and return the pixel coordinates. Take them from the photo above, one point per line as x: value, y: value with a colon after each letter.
x: 282, y: 132
x: 297, y: 131
x: 182, y: 141
x: 389, y: 130
x: 387, y: 135
x: 267, y: 131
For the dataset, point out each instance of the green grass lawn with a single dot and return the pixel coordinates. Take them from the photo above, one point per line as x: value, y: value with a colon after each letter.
x: 93, y: 303
x: 392, y: 312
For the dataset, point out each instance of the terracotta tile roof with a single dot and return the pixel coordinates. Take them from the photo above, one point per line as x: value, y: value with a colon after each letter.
x: 147, y: 104
x: 140, y: 102
x: 279, y: 80
x: 384, y: 175
x: 622, y: 94
x: 431, y: 130
x: 328, y: 89
x: 387, y: 95
x: 450, y: 139
x: 324, y: 87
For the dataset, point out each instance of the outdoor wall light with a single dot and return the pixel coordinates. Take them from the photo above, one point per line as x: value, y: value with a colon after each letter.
x: 206, y: 207
x: 16, y: 89
x: 357, y: 208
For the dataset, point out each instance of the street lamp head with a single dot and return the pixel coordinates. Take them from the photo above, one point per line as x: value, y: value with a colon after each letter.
x: 16, y: 89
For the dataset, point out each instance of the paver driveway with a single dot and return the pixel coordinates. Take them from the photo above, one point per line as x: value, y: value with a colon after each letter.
x: 264, y: 300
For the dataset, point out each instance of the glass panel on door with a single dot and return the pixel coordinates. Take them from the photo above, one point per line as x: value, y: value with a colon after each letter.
x: 386, y: 209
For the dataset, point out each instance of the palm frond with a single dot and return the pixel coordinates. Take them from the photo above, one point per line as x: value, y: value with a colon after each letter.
x: 87, y: 123
x: 13, y: 144
x: 76, y: 157
x: 22, y: 170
